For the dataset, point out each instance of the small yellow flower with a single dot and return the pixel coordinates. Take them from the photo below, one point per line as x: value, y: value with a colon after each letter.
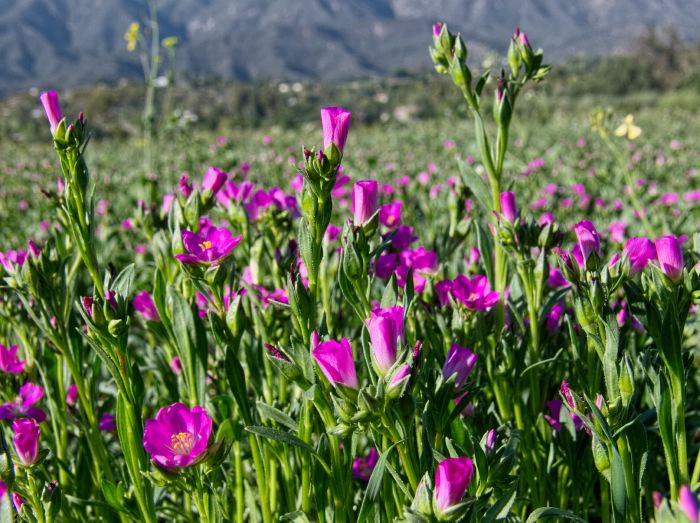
x: 628, y: 129
x: 132, y: 36
x: 170, y: 41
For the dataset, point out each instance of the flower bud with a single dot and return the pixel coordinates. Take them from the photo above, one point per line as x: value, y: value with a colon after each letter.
x: 452, y: 477
x: 365, y: 196
x: 588, y: 239
x: 509, y: 209
x: 213, y: 180
x: 335, y: 361
x: 626, y: 380
x: 336, y: 124
x: 459, y: 361
x: 52, y: 108
x: 639, y: 252
x: 688, y: 503
x: 669, y: 253
x: 26, y: 440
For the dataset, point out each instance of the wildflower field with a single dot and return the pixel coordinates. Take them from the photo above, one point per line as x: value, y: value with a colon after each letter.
x: 483, y: 318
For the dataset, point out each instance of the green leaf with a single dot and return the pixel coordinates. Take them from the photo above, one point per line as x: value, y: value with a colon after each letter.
x: 373, y: 486
x: 281, y: 436
x: 476, y: 184
x: 618, y: 487
x: 552, y: 512
x: 500, y: 510
x: 123, y: 282
x: 237, y: 383
x: 270, y: 412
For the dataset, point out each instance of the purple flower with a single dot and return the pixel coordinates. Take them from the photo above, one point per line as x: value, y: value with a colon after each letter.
x: 26, y: 440
x: 509, y: 208
x: 362, y: 467
x: 144, y: 305
x: 209, y: 248
x: 617, y: 231
x: 213, y: 180
x: 490, y: 440
x: 52, y: 108
x: 475, y: 294
x: 184, y: 186
x: 9, y: 259
x: 365, y: 195
x: 403, y: 237
x: 335, y: 361
x: 639, y: 251
x: 669, y: 253
x: 9, y: 362
x: 390, y: 214
x: 29, y: 394
x: 177, y: 436
x: 688, y: 503
x: 108, y: 422
x: 437, y: 28
x: 588, y: 239
x: 71, y: 395
x: 554, y: 317
x: 556, y: 278
x: 554, y: 407
x: 385, y: 326
x: 386, y: 265
x: 442, y: 290
x: 336, y: 123
x: 459, y: 361
x: 452, y: 477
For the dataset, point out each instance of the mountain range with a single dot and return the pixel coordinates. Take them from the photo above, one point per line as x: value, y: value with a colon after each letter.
x: 66, y: 43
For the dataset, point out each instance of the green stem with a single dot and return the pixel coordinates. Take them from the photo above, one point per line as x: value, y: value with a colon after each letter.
x: 238, y: 463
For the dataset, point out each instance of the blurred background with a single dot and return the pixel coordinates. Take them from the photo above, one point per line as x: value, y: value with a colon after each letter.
x: 262, y: 62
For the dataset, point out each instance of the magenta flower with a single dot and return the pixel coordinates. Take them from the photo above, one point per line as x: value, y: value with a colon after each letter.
x: 688, y: 503
x: 459, y: 361
x: 177, y: 436
x: 587, y: 238
x: 442, y: 290
x: 213, y: 180
x: 385, y: 326
x: 29, y: 394
x: 669, y: 253
x: 403, y: 237
x: 386, y: 265
x: 336, y: 124
x: 639, y: 251
x: 474, y: 294
x: 390, y: 214
x: 437, y: 28
x: 184, y: 186
x: 365, y: 195
x: 9, y: 259
x: 362, y: 467
x: 452, y: 477
x: 335, y: 361
x: 52, y: 108
x: 509, y: 208
x: 71, y: 395
x: 144, y: 305
x: 554, y: 407
x: 209, y: 248
x: 9, y: 362
x: 554, y: 317
x: 617, y: 231
x: 108, y: 422
x: 26, y: 440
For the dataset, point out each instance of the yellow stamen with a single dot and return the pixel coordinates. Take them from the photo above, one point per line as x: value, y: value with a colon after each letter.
x: 206, y: 244
x: 182, y: 442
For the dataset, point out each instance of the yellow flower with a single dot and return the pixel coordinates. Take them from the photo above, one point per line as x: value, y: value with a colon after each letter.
x: 628, y: 129
x: 132, y: 36
x: 170, y: 41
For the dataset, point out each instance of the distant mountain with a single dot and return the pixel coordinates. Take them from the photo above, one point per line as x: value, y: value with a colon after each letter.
x: 64, y: 43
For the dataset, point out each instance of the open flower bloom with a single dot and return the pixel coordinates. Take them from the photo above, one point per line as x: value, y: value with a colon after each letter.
x: 177, y: 436
x: 474, y: 293
x: 144, y: 305
x: 108, y: 422
x: 669, y: 253
x: 639, y: 251
x: 588, y: 240
x: 459, y: 361
x: 22, y: 407
x: 403, y: 237
x: 9, y: 259
x: 336, y: 124
x: 211, y: 247
x: 9, y: 362
x: 335, y: 361
x: 26, y: 440
x: 362, y: 467
x: 390, y: 214
x: 452, y: 477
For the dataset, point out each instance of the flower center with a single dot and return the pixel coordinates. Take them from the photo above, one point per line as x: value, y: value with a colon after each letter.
x: 473, y: 295
x: 182, y: 442
x: 206, y: 244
